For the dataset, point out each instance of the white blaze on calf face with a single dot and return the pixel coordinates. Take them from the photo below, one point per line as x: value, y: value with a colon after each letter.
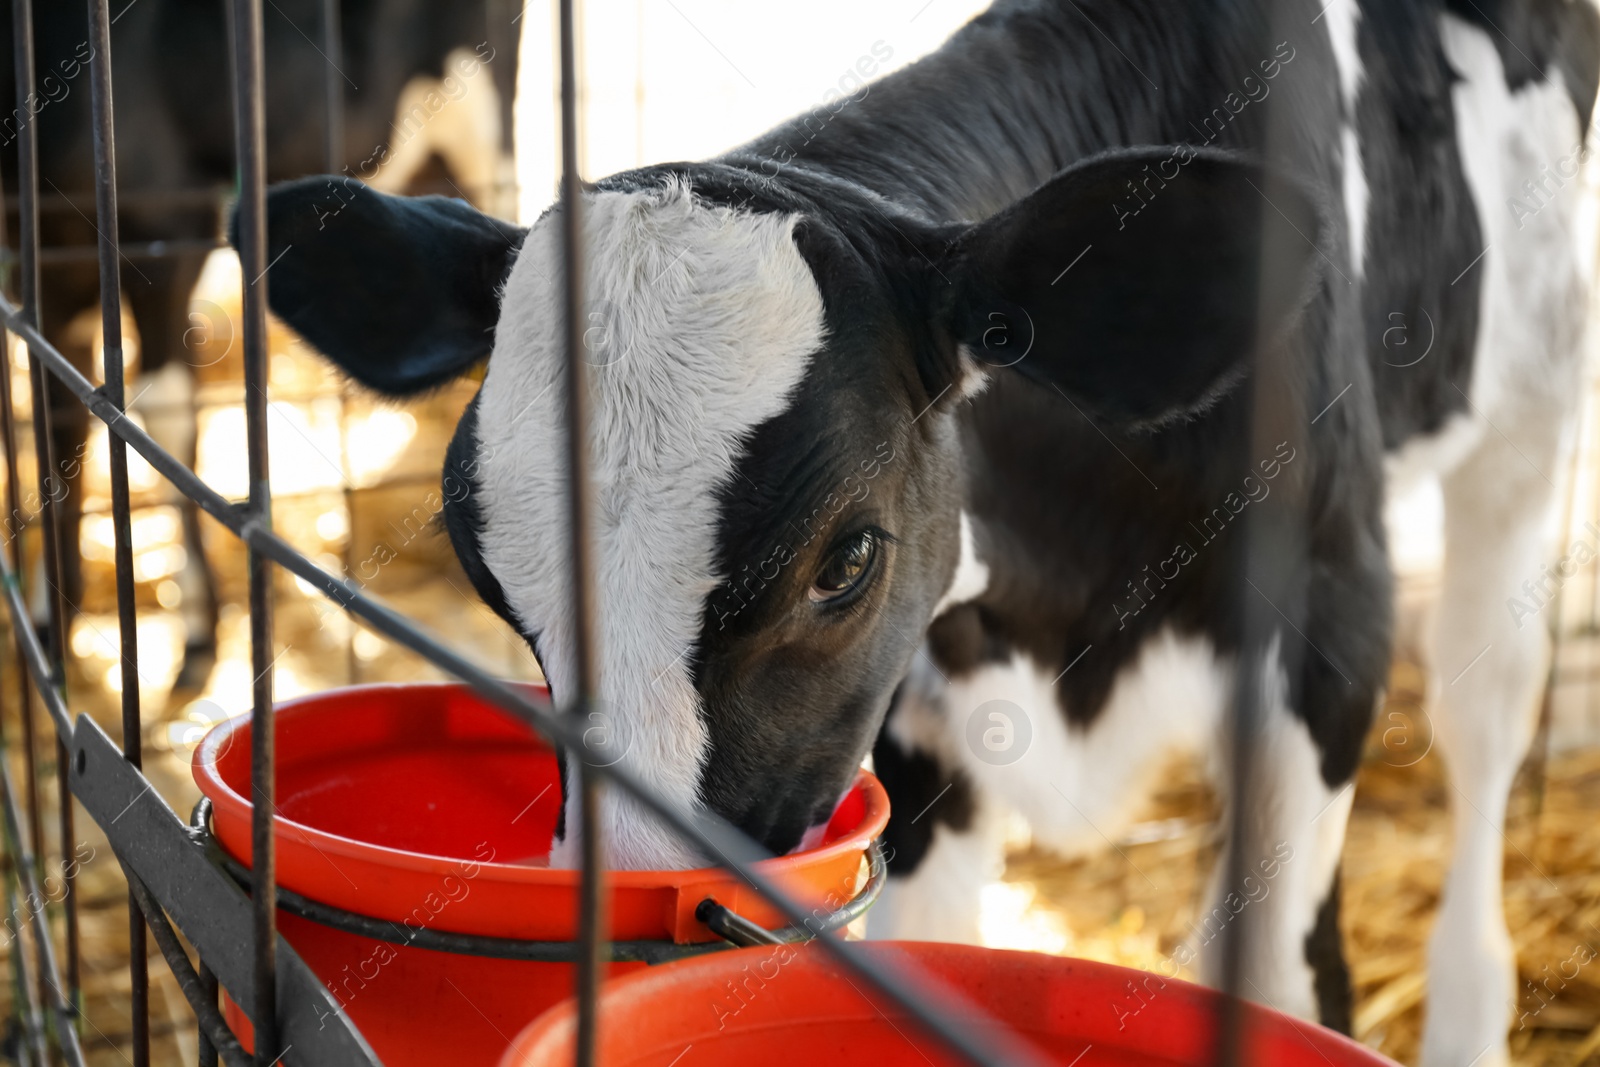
x: 702, y: 323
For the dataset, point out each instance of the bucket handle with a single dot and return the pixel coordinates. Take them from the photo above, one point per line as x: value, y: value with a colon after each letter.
x: 734, y: 928
x: 737, y: 930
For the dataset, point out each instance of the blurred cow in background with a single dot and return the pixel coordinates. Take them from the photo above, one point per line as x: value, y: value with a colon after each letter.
x: 426, y: 88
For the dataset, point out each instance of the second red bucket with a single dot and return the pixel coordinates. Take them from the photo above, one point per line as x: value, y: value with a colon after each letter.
x: 789, y: 1006
x: 423, y: 814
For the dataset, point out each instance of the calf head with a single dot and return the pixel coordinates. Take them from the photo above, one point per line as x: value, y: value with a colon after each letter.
x: 776, y: 372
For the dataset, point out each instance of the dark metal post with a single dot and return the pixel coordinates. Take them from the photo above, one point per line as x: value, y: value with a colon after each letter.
x: 208, y: 989
x: 105, y: 201
x: 25, y: 988
x: 1268, y: 557
x: 15, y: 524
x: 333, y: 152
x: 250, y: 133
x: 44, y: 453
x: 67, y: 838
x: 591, y: 913
x: 25, y: 985
x: 63, y: 1012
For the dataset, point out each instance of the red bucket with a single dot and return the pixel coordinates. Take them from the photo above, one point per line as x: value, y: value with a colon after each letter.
x: 787, y: 1005
x: 425, y: 806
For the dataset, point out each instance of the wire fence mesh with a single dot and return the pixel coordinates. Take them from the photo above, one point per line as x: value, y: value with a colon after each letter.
x: 212, y: 915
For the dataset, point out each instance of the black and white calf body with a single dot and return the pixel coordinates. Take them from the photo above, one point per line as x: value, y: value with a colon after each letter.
x: 937, y: 405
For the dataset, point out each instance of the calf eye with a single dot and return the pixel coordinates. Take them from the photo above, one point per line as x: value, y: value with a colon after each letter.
x: 846, y: 569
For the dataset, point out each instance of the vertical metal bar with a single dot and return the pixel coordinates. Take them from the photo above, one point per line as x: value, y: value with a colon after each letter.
x: 1269, y: 551
x: 208, y: 982
x: 250, y: 133
x: 63, y: 1012
x: 105, y: 202
x: 591, y: 910
x: 333, y: 86
x: 1253, y: 662
x: 26, y: 991
x: 26, y: 1001
x: 44, y: 452
x: 333, y: 90
x: 20, y: 986
x: 15, y: 524
x: 28, y: 214
x: 352, y: 662
x: 67, y: 838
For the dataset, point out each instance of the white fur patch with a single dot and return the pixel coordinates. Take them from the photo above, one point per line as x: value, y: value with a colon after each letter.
x: 972, y: 574
x: 1080, y: 788
x: 1533, y: 276
x: 702, y: 323
x: 974, y: 375
x: 1342, y: 17
x: 1433, y: 454
x: 1355, y: 199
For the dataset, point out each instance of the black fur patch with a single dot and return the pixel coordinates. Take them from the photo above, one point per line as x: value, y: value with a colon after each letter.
x: 927, y: 794
x: 463, y: 515
x: 1324, y: 949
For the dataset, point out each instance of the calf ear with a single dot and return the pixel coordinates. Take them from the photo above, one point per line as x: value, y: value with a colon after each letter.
x: 1134, y: 281
x: 401, y: 293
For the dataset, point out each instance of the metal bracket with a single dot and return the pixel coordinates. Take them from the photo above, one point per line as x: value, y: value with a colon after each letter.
x: 212, y: 912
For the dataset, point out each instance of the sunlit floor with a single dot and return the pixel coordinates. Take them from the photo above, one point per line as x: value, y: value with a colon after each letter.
x: 352, y: 475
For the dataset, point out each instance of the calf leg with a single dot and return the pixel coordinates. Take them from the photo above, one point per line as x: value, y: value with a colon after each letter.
x: 1284, y: 898
x: 1490, y: 660
x: 159, y: 299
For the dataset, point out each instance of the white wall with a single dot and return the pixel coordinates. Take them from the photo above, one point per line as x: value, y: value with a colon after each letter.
x: 684, y: 79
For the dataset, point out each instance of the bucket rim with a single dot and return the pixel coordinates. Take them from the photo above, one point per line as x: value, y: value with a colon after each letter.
x: 638, y: 992
x: 229, y: 803
x: 732, y: 929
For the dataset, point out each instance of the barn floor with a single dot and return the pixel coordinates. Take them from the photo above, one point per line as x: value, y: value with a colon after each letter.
x: 354, y: 483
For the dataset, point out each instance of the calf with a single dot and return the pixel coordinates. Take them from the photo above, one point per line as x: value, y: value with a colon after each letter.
x: 925, y: 425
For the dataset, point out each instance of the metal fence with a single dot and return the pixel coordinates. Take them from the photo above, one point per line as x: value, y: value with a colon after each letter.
x: 176, y: 884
